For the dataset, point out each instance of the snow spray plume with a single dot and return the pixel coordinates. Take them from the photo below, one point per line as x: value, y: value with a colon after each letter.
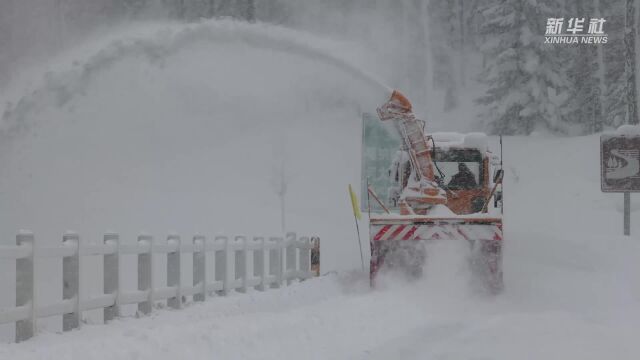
x: 60, y: 88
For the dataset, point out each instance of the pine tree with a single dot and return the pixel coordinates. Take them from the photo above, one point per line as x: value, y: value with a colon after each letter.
x: 630, y: 62
x: 615, y: 85
x: 584, y: 105
x: 250, y: 10
x: 133, y: 7
x: 6, y: 10
x: 418, y: 52
x: 522, y: 73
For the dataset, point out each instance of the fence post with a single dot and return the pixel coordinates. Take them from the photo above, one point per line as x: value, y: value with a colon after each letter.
x: 111, y: 276
x: 275, y: 261
x: 304, y: 261
x: 200, y: 267
x: 145, y: 274
x: 71, y: 281
x: 259, y: 263
x: 315, y: 255
x: 25, y: 287
x: 173, y: 272
x: 221, y: 259
x: 229, y: 267
x: 291, y: 247
x: 241, y: 263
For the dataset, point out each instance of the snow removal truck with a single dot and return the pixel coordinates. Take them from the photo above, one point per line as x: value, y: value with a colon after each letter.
x: 440, y: 186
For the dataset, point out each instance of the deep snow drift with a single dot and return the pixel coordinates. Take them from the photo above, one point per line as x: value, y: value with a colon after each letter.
x: 189, y: 140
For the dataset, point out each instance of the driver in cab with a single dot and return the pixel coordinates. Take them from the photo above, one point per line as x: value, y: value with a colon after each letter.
x: 464, y: 179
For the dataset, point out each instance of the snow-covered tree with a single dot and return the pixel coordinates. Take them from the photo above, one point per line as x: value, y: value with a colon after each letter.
x: 6, y: 10
x: 134, y: 7
x: 418, y: 52
x: 630, y: 61
x: 522, y: 74
x: 444, y: 31
x: 614, y: 100
x: 584, y: 104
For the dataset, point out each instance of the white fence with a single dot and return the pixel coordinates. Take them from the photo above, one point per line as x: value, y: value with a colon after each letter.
x: 238, y: 263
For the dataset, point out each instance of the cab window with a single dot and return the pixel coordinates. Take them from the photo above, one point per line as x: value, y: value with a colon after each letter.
x: 462, y: 168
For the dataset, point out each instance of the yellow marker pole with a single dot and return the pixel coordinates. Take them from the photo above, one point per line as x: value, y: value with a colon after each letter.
x: 356, y: 215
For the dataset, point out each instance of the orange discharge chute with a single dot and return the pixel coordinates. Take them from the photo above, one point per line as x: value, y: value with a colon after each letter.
x: 420, y: 196
x: 401, y: 100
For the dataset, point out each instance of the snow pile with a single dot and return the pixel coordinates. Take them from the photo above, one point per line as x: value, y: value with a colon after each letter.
x: 441, y: 211
x: 474, y: 140
x: 477, y: 141
x: 448, y: 137
x: 628, y: 130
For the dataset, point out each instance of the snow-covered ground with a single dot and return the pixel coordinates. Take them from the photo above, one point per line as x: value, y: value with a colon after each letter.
x: 184, y: 136
x: 571, y: 292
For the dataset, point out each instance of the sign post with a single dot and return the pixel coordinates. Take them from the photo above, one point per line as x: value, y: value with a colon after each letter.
x: 620, y: 169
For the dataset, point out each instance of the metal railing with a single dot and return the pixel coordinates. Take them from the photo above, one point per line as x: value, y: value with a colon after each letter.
x: 238, y: 263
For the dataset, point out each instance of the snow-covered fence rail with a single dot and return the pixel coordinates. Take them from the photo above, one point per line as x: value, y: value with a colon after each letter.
x: 238, y: 263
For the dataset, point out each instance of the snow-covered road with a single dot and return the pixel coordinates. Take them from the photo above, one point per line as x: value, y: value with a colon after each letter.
x: 337, y: 318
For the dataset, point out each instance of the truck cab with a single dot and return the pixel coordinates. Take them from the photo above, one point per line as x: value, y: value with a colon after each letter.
x: 463, y: 169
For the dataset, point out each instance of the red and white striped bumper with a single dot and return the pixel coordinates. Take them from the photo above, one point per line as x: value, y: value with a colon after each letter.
x: 436, y: 231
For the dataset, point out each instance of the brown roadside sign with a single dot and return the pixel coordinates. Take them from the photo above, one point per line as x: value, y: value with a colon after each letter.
x: 619, y: 163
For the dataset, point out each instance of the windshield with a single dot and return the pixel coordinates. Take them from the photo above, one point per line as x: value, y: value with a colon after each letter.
x: 461, y: 168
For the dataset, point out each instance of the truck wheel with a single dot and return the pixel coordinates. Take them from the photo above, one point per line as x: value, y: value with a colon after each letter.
x: 486, y: 265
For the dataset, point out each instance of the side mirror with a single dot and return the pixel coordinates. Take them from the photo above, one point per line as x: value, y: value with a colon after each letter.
x: 497, y: 176
x: 497, y: 199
